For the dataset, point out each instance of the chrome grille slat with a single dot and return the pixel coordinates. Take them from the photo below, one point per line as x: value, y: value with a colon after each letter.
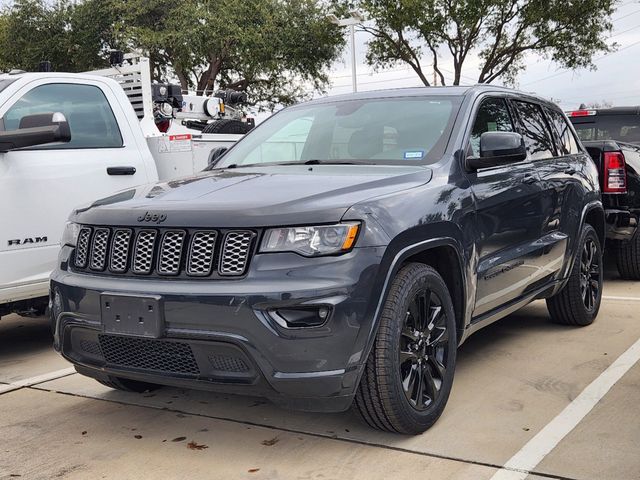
x: 119, y: 258
x: 82, y: 248
x: 201, y: 252
x: 235, y: 252
x: 144, y: 250
x: 171, y: 252
x: 99, y: 249
x: 163, y: 251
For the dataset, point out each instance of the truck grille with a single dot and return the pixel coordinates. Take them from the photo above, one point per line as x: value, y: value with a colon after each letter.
x: 164, y: 252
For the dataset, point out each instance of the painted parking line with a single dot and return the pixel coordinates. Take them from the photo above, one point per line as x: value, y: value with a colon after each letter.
x: 536, y: 449
x: 624, y: 299
x: 45, y: 377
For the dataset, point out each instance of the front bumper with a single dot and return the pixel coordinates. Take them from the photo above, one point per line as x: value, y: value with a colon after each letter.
x: 218, y: 335
x: 621, y: 224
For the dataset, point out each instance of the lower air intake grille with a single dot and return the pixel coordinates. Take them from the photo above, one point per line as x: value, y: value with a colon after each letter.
x: 226, y: 363
x: 147, y: 354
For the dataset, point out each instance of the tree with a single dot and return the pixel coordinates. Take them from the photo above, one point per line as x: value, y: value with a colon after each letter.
x: 498, y: 32
x: 276, y: 51
x: 73, y: 37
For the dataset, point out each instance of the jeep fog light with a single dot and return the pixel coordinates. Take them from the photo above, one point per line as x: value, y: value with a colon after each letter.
x: 301, y: 317
x: 311, y: 241
x: 70, y: 234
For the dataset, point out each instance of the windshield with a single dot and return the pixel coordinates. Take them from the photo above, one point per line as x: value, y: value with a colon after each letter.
x: 623, y: 128
x: 408, y: 130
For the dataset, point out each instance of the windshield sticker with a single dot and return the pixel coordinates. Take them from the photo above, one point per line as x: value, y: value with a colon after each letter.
x: 413, y: 154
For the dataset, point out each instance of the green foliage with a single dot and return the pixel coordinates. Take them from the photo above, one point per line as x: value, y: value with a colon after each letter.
x: 498, y: 32
x: 276, y: 50
x: 72, y: 38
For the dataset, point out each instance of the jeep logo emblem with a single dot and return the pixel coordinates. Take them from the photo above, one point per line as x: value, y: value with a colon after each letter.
x: 152, y: 217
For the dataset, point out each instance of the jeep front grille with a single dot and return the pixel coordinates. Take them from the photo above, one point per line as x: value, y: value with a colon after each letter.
x: 82, y: 247
x: 164, y: 251
x: 99, y: 249
x: 235, y: 253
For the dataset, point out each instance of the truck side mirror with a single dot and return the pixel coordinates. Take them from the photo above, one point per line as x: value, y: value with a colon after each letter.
x: 216, y: 153
x: 498, y: 148
x: 38, y: 129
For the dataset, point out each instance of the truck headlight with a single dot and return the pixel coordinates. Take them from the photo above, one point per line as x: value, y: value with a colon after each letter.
x: 70, y: 234
x: 311, y: 241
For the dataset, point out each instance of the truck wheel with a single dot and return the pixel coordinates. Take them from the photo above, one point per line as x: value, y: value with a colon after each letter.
x: 226, y: 125
x: 128, y: 385
x: 628, y: 258
x: 409, y: 373
x: 579, y: 301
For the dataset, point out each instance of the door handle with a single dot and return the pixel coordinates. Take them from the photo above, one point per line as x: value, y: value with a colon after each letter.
x: 529, y: 179
x: 570, y: 171
x: 121, y: 170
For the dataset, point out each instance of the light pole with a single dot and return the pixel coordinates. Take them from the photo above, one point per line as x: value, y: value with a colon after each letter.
x: 351, y: 21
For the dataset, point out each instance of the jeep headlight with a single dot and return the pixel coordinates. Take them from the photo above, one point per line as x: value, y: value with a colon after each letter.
x: 70, y: 234
x: 311, y: 241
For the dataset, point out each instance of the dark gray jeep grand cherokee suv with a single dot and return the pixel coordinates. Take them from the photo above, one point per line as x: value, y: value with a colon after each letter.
x: 338, y: 254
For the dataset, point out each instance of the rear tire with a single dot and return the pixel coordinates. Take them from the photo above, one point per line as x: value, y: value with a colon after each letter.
x: 226, y: 125
x: 579, y: 301
x: 128, y: 385
x: 628, y: 258
x: 409, y: 372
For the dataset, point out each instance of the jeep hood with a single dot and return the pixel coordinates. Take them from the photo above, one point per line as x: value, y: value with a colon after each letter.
x: 254, y: 197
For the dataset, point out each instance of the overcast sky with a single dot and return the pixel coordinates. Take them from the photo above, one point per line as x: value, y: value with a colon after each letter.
x: 617, y: 78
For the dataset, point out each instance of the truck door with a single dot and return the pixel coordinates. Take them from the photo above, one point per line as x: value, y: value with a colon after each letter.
x: 509, y: 216
x: 40, y: 186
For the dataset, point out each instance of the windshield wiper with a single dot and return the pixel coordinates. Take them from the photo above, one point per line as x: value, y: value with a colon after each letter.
x: 337, y: 162
x: 302, y: 162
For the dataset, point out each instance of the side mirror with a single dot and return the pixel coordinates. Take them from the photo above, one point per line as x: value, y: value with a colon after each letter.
x: 216, y: 153
x: 38, y: 129
x: 498, y: 148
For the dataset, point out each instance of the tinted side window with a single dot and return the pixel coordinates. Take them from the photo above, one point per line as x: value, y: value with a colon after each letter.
x: 567, y: 142
x: 90, y: 118
x: 534, y: 130
x: 493, y: 116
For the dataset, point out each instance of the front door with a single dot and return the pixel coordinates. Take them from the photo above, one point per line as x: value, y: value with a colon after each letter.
x: 509, y: 211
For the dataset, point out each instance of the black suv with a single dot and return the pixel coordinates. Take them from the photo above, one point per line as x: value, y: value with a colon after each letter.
x: 338, y: 254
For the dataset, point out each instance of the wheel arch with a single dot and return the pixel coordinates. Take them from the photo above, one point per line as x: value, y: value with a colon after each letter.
x: 443, y: 251
x: 594, y: 215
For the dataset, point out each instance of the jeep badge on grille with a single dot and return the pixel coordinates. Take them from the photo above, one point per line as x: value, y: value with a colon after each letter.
x: 152, y: 217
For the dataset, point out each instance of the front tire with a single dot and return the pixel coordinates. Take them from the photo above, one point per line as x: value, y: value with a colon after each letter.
x: 409, y: 372
x: 578, y: 302
x: 628, y: 258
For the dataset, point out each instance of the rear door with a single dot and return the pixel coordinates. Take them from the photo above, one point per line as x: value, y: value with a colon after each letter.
x: 569, y: 181
x: 557, y: 173
x: 509, y: 215
x: 39, y: 186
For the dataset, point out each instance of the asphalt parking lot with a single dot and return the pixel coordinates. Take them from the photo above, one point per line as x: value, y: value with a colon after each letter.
x: 519, y: 384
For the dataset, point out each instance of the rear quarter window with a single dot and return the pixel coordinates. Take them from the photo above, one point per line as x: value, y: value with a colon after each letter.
x: 567, y: 143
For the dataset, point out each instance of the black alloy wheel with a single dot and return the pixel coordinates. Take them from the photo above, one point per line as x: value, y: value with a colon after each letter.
x: 578, y: 302
x: 409, y: 372
x: 423, y: 350
x: 590, y: 274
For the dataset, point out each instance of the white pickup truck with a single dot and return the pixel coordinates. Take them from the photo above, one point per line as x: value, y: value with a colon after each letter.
x: 115, y: 144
